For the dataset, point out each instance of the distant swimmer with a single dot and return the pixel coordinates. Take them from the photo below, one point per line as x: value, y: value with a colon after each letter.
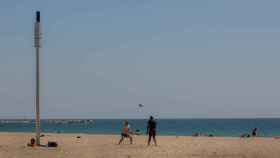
x: 151, y: 130
x: 126, y: 133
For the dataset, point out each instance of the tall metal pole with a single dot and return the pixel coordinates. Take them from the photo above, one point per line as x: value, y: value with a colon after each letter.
x: 37, y: 45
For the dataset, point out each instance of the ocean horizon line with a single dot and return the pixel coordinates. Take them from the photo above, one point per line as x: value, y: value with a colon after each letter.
x: 159, y: 118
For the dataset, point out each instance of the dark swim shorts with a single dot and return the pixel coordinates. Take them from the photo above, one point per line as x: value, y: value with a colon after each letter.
x: 152, y: 133
x: 125, y: 135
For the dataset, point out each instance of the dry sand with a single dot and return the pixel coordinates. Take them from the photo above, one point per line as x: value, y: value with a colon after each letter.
x: 13, y: 145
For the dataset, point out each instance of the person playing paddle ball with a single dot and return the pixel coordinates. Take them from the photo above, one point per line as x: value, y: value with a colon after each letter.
x: 126, y: 133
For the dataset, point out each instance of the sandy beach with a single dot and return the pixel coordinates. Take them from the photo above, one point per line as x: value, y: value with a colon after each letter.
x: 13, y: 145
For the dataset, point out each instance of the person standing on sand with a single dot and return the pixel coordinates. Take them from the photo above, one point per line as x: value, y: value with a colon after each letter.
x: 254, y: 132
x: 151, y: 130
x: 126, y: 133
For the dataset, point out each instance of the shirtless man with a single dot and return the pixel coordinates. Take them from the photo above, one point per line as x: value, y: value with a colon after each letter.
x: 151, y: 130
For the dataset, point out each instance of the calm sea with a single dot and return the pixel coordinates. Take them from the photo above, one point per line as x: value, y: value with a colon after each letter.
x: 217, y: 127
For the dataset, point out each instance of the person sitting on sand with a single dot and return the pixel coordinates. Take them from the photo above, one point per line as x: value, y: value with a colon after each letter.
x: 254, y: 132
x: 151, y: 130
x: 32, y: 143
x: 126, y: 133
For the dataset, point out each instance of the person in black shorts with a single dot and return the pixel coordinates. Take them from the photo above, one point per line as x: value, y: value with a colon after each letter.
x: 151, y: 130
x: 126, y: 133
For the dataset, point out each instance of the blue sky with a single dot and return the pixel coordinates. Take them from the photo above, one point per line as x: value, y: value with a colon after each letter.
x: 187, y: 59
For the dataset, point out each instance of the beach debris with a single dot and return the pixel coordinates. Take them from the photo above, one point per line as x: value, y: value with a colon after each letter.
x: 137, y: 132
x: 52, y: 144
x: 197, y: 134
x: 78, y: 137
x: 42, y: 135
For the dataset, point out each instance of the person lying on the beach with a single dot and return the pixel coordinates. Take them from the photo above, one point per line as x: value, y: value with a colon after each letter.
x: 245, y: 135
x: 126, y: 133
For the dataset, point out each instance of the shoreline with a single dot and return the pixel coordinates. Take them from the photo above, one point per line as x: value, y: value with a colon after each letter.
x: 133, y: 135
x: 158, y: 135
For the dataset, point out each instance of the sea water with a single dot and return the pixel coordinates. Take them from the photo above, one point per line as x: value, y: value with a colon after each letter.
x: 173, y: 127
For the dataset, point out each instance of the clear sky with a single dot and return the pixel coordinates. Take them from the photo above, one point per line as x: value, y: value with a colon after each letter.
x: 187, y: 59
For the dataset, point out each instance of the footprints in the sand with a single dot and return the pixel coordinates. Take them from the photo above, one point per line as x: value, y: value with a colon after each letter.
x: 216, y: 155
